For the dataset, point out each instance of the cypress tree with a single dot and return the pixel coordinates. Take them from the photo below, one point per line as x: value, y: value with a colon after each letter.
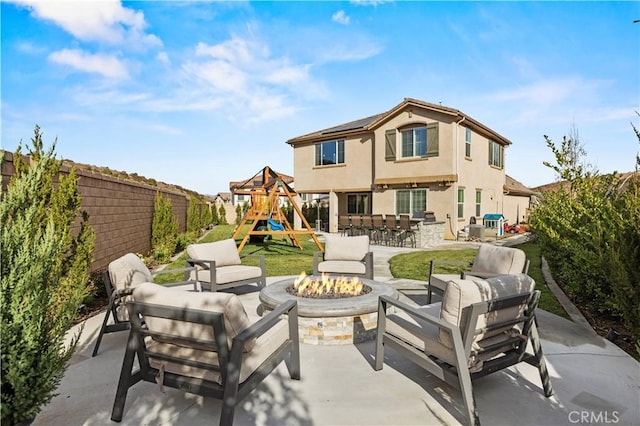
x: 45, y: 270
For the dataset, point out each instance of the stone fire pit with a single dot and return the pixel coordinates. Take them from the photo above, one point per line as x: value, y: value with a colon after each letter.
x: 332, y: 321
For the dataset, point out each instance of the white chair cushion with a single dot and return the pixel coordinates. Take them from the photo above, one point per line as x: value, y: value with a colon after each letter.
x: 342, y: 267
x: 125, y: 272
x: 338, y: 247
x: 498, y: 260
x: 461, y: 293
x: 128, y: 271
x: 229, y: 274
x: 228, y: 304
x: 224, y: 252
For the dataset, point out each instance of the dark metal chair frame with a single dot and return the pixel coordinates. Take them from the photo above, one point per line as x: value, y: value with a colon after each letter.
x: 116, y: 298
x: 367, y: 260
x: 214, y: 286
x: 458, y: 375
x: 231, y: 392
x: 463, y: 273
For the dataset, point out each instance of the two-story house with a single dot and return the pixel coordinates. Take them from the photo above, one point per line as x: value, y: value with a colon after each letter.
x: 416, y: 157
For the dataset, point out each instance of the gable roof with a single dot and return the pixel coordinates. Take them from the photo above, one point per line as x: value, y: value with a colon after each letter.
x: 256, y: 181
x: 369, y: 124
x: 566, y: 185
x: 513, y: 187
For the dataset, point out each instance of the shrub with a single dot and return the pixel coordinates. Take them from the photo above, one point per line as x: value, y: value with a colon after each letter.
x: 222, y: 215
x: 193, y: 218
x: 182, y: 242
x: 590, y: 234
x: 238, y: 214
x: 164, y: 229
x: 45, y: 271
x: 214, y: 214
x: 206, y: 217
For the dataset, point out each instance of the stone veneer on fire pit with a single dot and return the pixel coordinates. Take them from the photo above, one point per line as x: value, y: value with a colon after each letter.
x: 332, y: 321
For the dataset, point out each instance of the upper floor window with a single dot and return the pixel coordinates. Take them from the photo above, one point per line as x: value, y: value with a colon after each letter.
x: 409, y: 201
x: 467, y: 143
x: 330, y: 152
x: 496, y: 154
x: 414, y: 142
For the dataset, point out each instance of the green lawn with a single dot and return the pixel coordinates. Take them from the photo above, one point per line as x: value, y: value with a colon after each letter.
x: 284, y: 259
x: 415, y: 266
x: 281, y: 257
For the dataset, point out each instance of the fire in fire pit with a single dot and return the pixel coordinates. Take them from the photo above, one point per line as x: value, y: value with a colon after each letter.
x: 326, y: 287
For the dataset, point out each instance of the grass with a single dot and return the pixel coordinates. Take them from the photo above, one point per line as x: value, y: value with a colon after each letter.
x: 284, y: 259
x: 415, y: 266
x: 281, y: 257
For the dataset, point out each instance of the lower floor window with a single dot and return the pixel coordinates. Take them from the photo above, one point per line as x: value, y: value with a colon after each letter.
x: 410, y: 201
x: 358, y: 204
x: 460, y: 202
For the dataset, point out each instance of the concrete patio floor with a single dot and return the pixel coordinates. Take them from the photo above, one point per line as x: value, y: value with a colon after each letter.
x: 594, y: 381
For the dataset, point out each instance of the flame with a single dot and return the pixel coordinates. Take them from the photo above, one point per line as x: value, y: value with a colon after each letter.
x: 307, y: 286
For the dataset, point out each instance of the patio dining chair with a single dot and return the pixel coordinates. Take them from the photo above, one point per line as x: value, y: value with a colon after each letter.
x: 406, y: 232
x: 204, y: 344
x: 120, y: 278
x: 480, y: 327
x: 391, y: 230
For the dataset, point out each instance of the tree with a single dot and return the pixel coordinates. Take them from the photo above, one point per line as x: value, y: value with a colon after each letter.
x: 238, y: 214
x: 45, y: 270
x: 164, y: 229
x: 222, y: 215
x: 206, y: 216
x: 214, y: 214
x: 193, y: 218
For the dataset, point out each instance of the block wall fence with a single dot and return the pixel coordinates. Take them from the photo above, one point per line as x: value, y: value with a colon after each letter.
x: 120, y: 211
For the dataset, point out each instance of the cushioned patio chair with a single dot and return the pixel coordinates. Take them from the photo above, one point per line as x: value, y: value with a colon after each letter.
x: 220, y: 266
x: 348, y: 256
x: 480, y: 327
x: 204, y: 343
x: 120, y: 278
x: 490, y: 261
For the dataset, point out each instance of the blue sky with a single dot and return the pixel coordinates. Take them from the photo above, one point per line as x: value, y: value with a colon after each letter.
x: 202, y: 93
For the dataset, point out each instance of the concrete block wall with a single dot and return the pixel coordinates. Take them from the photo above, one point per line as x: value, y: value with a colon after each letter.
x: 120, y: 211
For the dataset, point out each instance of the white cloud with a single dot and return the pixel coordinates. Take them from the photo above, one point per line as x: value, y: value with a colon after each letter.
x: 242, y: 73
x: 103, y: 21
x: 341, y: 18
x: 108, y: 66
x: 163, y: 58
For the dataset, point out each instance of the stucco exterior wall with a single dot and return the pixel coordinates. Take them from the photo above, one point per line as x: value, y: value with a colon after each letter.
x: 353, y: 175
x: 516, y: 209
x: 440, y: 175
